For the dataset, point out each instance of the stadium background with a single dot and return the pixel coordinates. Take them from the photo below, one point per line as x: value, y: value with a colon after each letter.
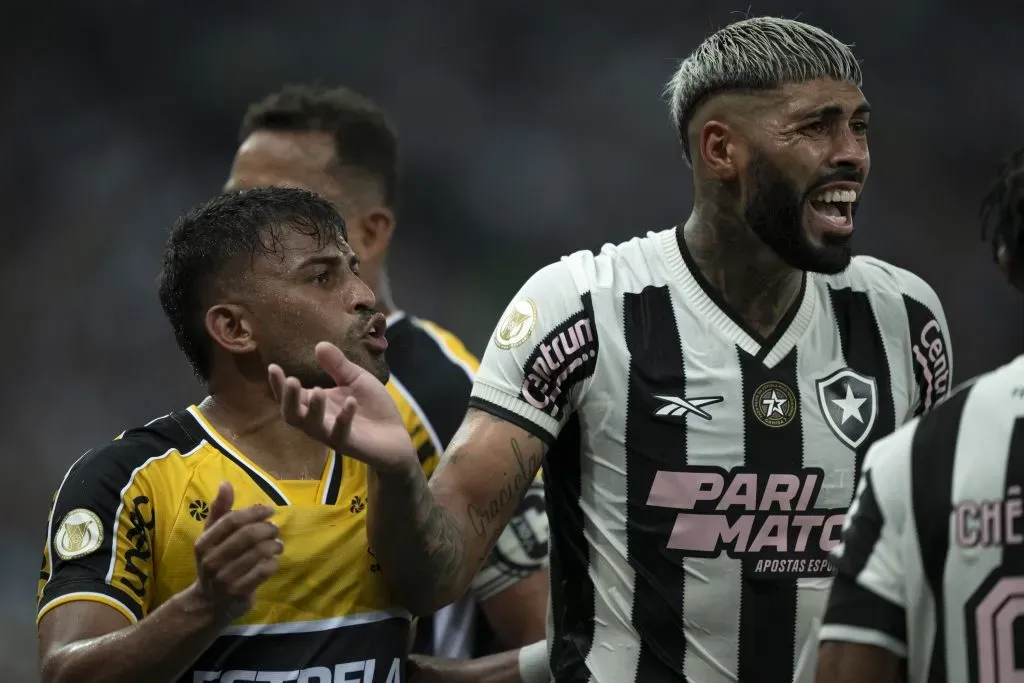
x: 529, y: 130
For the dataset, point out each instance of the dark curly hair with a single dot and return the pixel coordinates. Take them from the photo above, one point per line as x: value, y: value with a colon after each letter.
x: 1002, y: 210
x: 365, y: 140
x: 218, y: 234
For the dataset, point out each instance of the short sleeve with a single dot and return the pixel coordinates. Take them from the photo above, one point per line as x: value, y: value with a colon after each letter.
x: 99, y: 534
x: 932, y: 354
x: 521, y: 550
x: 541, y: 355
x: 867, y: 604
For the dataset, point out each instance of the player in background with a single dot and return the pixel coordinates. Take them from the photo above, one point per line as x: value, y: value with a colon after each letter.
x: 340, y: 145
x: 218, y: 542
x: 702, y: 397
x: 930, y: 571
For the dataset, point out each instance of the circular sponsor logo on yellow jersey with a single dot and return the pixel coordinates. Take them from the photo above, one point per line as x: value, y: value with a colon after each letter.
x: 516, y: 325
x: 79, y: 534
x: 774, y: 404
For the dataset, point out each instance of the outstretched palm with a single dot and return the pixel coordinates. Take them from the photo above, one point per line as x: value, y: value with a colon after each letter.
x: 357, y: 417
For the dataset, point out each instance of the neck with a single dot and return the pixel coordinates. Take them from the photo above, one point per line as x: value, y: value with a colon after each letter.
x: 756, y: 284
x: 250, y: 418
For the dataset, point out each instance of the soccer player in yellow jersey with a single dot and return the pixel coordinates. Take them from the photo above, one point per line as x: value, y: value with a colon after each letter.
x: 340, y: 145
x: 217, y: 543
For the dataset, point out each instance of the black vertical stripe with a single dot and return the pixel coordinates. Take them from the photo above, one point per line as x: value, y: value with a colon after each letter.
x: 334, y: 483
x: 768, y: 606
x: 656, y: 367
x: 572, y: 591
x: 864, y: 351
x: 932, y: 456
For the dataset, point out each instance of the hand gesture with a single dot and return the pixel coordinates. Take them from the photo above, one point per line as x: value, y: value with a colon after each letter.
x: 357, y: 417
x: 235, y: 554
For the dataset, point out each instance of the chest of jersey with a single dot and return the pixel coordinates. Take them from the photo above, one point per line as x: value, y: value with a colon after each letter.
x: 325, y: 608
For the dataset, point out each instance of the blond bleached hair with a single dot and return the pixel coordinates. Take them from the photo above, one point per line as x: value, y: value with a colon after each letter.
x: 760, y: 53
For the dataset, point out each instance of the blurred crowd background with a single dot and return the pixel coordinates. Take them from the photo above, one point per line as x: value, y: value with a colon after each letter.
x: 529, y: 130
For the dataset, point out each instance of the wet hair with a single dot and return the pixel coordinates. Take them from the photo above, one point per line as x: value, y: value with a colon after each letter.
x: 1002, y: 209
x: 211, y: 239
x: 762, y: 53
x: 365, y: 141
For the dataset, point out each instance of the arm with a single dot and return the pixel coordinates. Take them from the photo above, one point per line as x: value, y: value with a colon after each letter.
x: 90, y: 642
x: 526, y: 665
x: 440, y: 535
x: 864, y: 630
x: 512, y: 588
x: 95, y: 623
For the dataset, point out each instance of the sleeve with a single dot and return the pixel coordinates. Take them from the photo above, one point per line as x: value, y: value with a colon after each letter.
x: 932, y: 355
x: 99, y: 534
x: 521, y: 550
x: 867, y: 604
x: 542, y: 354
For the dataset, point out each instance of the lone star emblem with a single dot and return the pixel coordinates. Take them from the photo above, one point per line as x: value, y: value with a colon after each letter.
x: 849, y: 404
x: 774, y: 404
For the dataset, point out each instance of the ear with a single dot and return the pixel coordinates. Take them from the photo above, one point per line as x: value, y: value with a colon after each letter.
x: 720, y: 150
x: 1013, y: 271
x: 231, y: 327
x: 374, y: 237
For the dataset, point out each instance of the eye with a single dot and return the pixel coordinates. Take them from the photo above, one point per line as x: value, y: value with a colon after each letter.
x: 816, y: 128
x: 354, y: 265
x: 321, y: 278
x: 859, y: 127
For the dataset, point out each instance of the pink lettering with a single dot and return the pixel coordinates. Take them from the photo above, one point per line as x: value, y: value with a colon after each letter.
x: 967, y: 527
x: 1013, y: 514
x: 771, y: 535
x: 806, y: 524
x: 742, y: 493
x: 781, y: 489
x: 557, y: 361
x: 704, y: 533
x: 991, y: 526
x: 682, y: 490
x: 830, y: 532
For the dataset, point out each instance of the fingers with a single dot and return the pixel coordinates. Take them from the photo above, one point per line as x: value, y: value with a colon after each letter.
x: 252, y: 579
x: 221, y: 504
x: 293, y: 408
x: 238, y: 543
x: 333, y: 361
x: 216, y: 533
x: 343, y: 421
x: 238, y: 567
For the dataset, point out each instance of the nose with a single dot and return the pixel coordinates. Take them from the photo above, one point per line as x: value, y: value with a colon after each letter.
x: 361, y: 297
x: 850, y: 150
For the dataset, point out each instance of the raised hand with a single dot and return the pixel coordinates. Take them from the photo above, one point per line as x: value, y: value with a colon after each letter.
x: 235, y: 554
x: 357, y: 417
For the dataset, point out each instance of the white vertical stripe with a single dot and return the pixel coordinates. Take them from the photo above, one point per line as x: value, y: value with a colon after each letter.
x: 979, y: 474
x: 711, y: 586
x: 616, y: 648
x: 822, y: 449
x: 332, y: 462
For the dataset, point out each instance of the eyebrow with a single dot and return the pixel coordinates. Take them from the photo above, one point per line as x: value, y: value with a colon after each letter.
x: 333, y: 260
x: 833, y: 111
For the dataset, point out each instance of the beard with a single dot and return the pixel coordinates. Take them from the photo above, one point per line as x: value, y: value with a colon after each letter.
x: 775, y: 212
x: 302, y: 364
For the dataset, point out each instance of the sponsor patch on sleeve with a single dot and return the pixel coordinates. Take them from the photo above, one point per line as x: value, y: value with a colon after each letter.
x: 562, y: 359
x: 80, y: 533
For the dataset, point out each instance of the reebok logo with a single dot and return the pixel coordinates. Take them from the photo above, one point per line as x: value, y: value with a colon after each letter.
x: 767, y: 520
x: 675, y: 408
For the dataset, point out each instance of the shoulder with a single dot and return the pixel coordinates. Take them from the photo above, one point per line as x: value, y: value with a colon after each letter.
x: 112, y: 465
x: 875, y: 276
x: 429, y: 362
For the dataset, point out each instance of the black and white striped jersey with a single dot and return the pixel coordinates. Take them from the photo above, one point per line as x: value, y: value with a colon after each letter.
x: 698, y: 475
x: 931, y: 565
